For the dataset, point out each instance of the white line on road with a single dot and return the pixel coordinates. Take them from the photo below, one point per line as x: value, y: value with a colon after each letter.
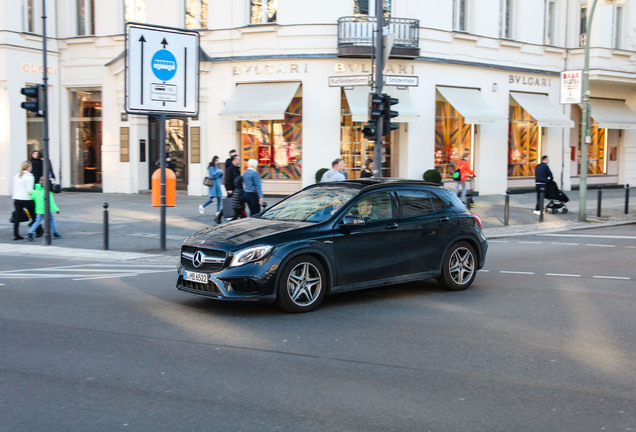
x: 564, y: 244
x: 600, y: 245
x: 612, y: 277
x: 592, y: 236
x: 563, y: 275
x: 516, y: 272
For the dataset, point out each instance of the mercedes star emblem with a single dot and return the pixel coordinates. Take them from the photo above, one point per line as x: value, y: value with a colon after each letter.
x: 197, y: 259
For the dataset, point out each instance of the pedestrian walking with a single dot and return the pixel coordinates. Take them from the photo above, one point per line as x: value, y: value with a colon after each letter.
x: 38, y: 197
x: 367, y: 170
x: 228, y: 161
x: 252, y: 187
x: 542, y: 174
x: 22, y: 187
x: 463, y: 165
x: 238, y: 199
x: 231, y: 173
x: 336, y: 172
x: 214, y: 191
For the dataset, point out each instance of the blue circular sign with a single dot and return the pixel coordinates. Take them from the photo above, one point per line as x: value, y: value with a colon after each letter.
x: 164, y: 65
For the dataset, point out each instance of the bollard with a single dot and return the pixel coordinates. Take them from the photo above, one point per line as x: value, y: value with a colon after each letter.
x: 105, y: 226
x: 541, y: 195
x: 507, y: 208
x: 627, y: 198
x: 599, y: 199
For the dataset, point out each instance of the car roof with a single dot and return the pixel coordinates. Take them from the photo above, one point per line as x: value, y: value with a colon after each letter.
x: 388, y: 181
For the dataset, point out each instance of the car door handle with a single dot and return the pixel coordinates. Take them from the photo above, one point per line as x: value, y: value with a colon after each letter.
x: 391, y: 226
x: 444, y: 219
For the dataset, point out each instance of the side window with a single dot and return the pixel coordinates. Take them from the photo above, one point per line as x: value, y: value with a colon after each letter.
x: 263, y: 11
x: 418, y: 203
x: 373, y: 207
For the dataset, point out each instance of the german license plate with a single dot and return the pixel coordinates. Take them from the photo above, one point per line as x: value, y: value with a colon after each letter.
x: 195, y: 277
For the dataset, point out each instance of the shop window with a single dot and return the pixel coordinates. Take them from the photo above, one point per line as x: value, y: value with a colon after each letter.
x: 196, y: 14
x: 86, y: 137
x: 459, y: 15
x: 30, y: 15
x: 263, y: 11
x: 453, y: 138
x: 354, y: 148
x: 275, y: 144
x: 524, y: 143
x: 596, y: 151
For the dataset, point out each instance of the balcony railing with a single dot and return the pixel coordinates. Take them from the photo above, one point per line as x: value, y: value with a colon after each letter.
x: 356, y: 36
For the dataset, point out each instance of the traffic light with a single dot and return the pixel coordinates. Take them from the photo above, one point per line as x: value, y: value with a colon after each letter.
x: 368, y: 131
x: 388, y: 114
x: 375, y: 107
x: 35, y: 99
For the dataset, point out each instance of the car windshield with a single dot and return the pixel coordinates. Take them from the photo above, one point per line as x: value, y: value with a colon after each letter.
x: 311, y: 205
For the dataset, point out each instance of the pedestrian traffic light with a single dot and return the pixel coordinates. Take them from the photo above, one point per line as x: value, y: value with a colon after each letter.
x: 369, y: 129
x: 388, y: 114
x: 375, y: 107
x: 35, y: 99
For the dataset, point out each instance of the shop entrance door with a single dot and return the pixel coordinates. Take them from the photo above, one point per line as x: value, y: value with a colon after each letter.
x: 86, y: 139
x: 176, y: 148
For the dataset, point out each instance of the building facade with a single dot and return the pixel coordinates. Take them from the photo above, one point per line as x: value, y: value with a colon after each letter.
x: 283, y: 82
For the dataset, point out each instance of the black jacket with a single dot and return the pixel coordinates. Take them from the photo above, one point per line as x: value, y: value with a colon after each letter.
x: 231, y: 173
x: 238, y: 197
x: 542, y: 173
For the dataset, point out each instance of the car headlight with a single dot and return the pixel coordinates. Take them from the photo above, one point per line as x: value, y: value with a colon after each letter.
x: 250, y: 255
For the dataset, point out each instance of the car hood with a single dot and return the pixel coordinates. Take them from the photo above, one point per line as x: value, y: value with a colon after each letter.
x: 248, y: 230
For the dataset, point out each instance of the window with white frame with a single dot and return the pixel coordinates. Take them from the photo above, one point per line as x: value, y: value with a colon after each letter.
x: 583, y: 25
x: 617, y: 27
x: 367, y: 8
x: 134, y: 10
x: 550, y: 22
x: 30, y: 11
x: 460, y: 14
x: 505, y: 19
x: 263, y: 11
x: 85, y: 17
x: 196, y: 14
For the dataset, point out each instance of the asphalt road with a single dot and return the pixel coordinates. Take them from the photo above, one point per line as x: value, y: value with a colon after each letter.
x: 543, y: 341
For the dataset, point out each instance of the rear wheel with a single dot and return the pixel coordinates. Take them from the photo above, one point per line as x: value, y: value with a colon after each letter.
x: 302, y: 285
x: 459, y: 267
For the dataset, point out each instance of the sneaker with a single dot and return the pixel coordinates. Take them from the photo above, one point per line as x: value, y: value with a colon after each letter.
x: 18, y: 237
x: 30, y: 237
x: 56, y: 235
x: 537, y: 212
x: 201, y: 209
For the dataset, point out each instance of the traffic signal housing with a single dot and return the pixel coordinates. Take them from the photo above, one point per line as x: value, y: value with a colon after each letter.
x: 375, y: 107
x: 388, y: 114
x: 35, y: 99
x: 369, y: 129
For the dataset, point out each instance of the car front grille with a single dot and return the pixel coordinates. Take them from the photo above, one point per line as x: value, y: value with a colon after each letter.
x: 197, y: 287
x: 209, y: 260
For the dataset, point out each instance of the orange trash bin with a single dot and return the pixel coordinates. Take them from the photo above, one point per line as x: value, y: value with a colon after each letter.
x: 171, y: 188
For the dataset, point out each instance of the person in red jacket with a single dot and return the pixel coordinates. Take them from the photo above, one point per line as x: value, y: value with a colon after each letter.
x: 463, y: 165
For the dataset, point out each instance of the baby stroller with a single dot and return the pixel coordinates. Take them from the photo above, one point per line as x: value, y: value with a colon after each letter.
x: 557, y: 198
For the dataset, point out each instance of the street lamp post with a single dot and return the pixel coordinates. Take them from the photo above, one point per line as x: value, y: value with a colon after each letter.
x: 379, y: 66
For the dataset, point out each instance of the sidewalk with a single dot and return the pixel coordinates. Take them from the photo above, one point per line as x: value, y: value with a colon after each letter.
x: 134, y: 225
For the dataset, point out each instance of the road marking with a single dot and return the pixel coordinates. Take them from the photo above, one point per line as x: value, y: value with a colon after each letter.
x: 516, y: 272
x: 565, y: 244
x: 87, y: 271
x: 592, y: 236
x: 530, y: 242
x: 612, y: 277
x: 563, y: 275
x: 600, y: 245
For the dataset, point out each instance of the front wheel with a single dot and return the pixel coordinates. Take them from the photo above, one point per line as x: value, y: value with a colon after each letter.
x: 459, y: 267
x: 302, y: 285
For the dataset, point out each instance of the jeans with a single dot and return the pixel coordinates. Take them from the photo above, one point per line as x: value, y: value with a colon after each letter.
x: 461, y: 184
x: 38, y: 221
x: 251, y: 198
x: 210, y: 200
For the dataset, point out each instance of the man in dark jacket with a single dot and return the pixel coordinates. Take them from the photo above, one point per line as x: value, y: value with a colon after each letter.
x: 232, y: 171
x: 542, y: 174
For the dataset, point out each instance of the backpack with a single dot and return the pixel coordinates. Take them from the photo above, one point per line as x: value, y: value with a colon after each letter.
x: 457, y: 175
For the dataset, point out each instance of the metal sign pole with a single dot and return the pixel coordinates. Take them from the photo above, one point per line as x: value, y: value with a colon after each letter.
x: 379, y: 66
x: 45, y: 137
x: 162, y: 167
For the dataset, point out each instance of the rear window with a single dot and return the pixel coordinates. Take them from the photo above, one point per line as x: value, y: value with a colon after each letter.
x: 417, y: 203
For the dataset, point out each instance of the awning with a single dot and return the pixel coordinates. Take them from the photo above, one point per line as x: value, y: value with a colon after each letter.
x: 358, y: 99
x: 612, y: 114
x: 262, y: 101
x: 542, y: 110
x: 472, y: 105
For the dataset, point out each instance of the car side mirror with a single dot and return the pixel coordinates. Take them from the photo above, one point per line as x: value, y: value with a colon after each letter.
x: 349, y: 221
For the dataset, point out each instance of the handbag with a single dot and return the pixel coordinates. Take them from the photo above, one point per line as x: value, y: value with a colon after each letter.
x: 56, y: 188
x: 457, y: 175
x: 208, y: 181
x: 22, y: 216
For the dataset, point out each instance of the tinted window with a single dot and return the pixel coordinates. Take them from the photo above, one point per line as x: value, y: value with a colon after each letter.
x: 417, y: 203
x: 373, y: 207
